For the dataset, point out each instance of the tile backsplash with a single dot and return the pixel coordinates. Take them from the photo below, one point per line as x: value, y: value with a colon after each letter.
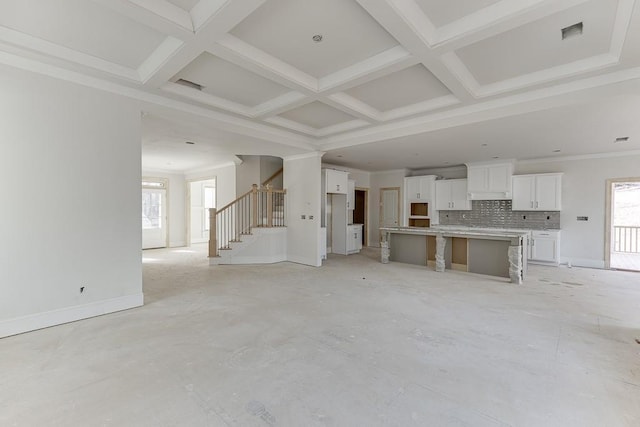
x: 498, y: 214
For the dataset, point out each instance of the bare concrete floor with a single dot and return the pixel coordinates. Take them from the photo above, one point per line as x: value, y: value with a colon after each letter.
x: 355, y: 343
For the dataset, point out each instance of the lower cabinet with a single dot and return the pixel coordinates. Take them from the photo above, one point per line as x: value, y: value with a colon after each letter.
x: 544, y: 246
x: 354, y: 238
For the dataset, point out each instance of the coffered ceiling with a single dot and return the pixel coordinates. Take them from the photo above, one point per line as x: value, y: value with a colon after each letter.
x: 332, y: 75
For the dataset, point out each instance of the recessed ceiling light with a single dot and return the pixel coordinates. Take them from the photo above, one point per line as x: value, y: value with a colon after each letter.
x: 317, y: 38
x: 621, y: 139
x: 556, y: 151
x: 484, y: 145
x: 572, y: 31
x: 495, y: 157
x: 189, y: 142
x: 339, y: 155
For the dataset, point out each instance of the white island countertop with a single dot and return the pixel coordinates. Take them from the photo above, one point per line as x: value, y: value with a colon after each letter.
x: 515, y: 236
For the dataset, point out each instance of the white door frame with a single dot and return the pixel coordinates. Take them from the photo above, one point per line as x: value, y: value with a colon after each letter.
x: 165, y: 183
x: 381, y: 213
x: 188, y: 182
x: 608, y: 216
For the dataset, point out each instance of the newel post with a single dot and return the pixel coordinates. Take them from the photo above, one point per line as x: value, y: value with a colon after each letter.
x: 213, y: 242
x: 254, y: 203
x: 269, y: 205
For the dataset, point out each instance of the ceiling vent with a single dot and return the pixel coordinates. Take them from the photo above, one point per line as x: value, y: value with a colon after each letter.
x: 190, y: 84
x: 572, y: 31
x: 621, y: 139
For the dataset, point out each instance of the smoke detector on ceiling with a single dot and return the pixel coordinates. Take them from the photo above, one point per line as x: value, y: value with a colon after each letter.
x: 317, y: 38
x: 621, y: 139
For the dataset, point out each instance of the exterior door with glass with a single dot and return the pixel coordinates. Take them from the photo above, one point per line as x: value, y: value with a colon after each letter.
x: 154, y: 218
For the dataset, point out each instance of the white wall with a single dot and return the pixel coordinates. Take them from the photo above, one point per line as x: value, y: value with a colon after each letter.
x: 268, y: 166
x: 177, y: 205
x: 247, y: 174
x: 583, y: 194
x: 302, y: 182
x: 394, y: 178
x: 70, y: 190
x: 225, y: 182
x: 362, y: 178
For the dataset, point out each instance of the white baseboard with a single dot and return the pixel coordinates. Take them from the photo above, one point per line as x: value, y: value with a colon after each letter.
x: 266, y: 259
x: 36, y: 321
x: 583, y: 262
x: 304, y: 261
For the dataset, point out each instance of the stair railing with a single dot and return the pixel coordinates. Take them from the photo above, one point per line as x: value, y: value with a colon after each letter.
x: 258, y: 207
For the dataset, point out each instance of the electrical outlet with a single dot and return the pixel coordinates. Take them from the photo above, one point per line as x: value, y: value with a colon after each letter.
x: 310, y: 216
x: 81, y: 289
x: 303, y: 217
x: 582, y: 218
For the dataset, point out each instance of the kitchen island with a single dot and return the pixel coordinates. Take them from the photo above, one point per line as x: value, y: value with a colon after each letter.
x: 485, y: 251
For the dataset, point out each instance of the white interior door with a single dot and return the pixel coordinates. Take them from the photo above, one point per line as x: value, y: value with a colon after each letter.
x: 154, y: 218
x: 389, y: 207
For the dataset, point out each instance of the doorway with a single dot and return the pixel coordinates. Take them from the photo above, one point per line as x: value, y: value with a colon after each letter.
x: 201, y: 196
x: 154, y: 214
x: 389, y: 207
x: 623, y: 224
x: 361, y: 207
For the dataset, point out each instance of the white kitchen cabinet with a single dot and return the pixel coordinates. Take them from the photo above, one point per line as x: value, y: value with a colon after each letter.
x: 354, y: 238
x: 544, y: 246
x: 336, y: 182
x: 451, y: 195
x: 351, y: 194
x: 489, y: 181
x: 539, y: 192
x: 419, y: 188
x: 419, y: 201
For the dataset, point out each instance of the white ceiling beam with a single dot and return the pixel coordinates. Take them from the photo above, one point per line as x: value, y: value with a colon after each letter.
x: 387, y: 62
x: 495, y: 19
x: 398, y: 18
x: 211, y: 27
x: 579, y: 91
x: 354, y: 107
x: 56, y: 51
x: 250, y: 57
x: 280, y: 104
x: 160, y: 15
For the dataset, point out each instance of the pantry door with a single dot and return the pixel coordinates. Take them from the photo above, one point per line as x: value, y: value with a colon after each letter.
x: 389, y: 207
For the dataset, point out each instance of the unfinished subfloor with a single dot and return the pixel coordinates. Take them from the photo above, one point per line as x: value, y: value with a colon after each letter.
x: 354, y: 343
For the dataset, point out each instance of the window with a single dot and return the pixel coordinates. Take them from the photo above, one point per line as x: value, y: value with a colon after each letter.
x: 209, y: 202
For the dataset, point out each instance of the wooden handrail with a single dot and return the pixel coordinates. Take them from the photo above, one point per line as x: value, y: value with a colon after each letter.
x: 272, y: 177
x: 237, y: 199
x: 255, y: 208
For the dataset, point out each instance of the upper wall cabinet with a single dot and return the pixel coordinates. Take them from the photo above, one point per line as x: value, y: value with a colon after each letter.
x: 351, y: 194
x: 489, y: 181
x: 451, y: 195
x: 336, y: 182
x: 539, y: 192
x: 419, y: 188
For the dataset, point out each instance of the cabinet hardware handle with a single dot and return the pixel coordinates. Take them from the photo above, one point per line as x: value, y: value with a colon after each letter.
x: 536, y: 205
x: 418, y: 195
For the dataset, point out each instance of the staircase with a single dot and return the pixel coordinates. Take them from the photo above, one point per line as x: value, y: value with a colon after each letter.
x: 251, y: 229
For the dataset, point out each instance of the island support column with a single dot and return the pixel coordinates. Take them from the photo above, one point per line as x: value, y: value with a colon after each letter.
x: 441, y: 243
x: 515, y: 264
